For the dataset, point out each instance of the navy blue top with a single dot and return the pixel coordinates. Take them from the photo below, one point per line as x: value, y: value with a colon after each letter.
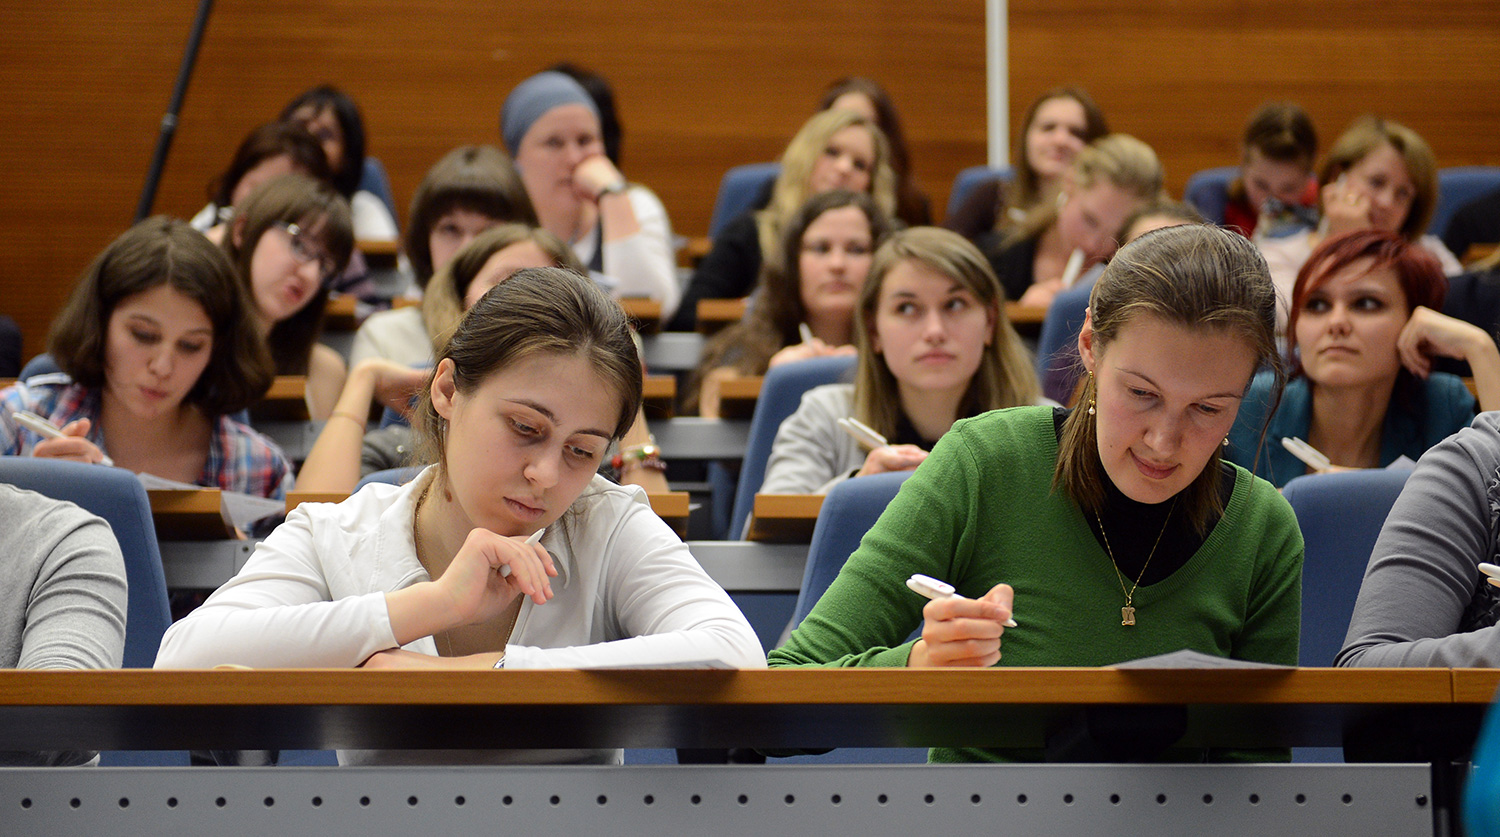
x: 1443, y: 406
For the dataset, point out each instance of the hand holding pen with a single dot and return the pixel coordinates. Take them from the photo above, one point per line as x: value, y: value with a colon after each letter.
x: 883, y: 456
x: 959, y: 631
x: 68, y: 442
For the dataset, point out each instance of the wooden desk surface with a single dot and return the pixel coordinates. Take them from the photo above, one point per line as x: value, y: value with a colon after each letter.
x: 784, y: 518
x: 646, y: 313
x: 190, y: 515
x: 1475, y: 685
x: 1016, y: 707
x: 659, y: 396
x: 715, y: 314
x: 338, y: 314
x: 737, y: 396
x: 286, y: 400
x: 1025, y: 316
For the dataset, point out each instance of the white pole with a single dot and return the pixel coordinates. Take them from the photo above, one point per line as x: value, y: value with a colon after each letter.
x: 997, y: 80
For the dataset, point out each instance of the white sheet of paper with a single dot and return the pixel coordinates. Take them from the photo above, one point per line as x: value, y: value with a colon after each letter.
x: 243, y: 509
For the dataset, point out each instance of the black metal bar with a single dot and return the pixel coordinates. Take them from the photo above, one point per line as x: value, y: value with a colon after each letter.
x: 169, y: 120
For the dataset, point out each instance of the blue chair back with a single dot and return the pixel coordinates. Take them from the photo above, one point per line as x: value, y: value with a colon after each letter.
x: 374, y: 180
x: 42, y: 364
x: 848, y: 512
x: 737, y: 192
x: 391, y: 476
x: 1056, y: 347
x: 1481, y: 810
x: 1208, y: 191
x: 1340, y: 516
x: 1456, y: 187
x: 779, y: 397
x: 969, y: 179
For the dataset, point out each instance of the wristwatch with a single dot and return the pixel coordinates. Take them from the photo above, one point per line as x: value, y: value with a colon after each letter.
x: 615, y: 188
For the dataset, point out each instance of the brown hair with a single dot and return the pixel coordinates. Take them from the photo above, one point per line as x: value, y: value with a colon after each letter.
x: 265, y: 142
x: 911, y: 205
x: 478, y: 178
x: 1195, y: 276
x: 443, y: 304
x: 1028, y: 184
x: 1005, y: 377
x: 1281, y: 132
x: 772, y: 321
x: 320, y: 211
x: 1367, y: 134
x: 166, y: 251
x: 538, y: 310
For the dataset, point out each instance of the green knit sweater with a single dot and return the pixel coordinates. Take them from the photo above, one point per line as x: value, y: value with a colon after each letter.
x: 981, y: 511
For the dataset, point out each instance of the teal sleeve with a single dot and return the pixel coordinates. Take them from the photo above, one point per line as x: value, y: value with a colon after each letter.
x: 867, y: 613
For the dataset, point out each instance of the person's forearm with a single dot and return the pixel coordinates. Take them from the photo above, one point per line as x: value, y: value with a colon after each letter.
x: 332, y: 465
x: 417, y: 611
x: 1484, y: 363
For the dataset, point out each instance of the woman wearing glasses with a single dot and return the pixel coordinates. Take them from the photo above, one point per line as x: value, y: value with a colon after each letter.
x: 158, y: 347
x: 289, y: 239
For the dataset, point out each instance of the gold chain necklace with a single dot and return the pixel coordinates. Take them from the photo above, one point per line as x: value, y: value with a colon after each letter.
x: 1127, y: 613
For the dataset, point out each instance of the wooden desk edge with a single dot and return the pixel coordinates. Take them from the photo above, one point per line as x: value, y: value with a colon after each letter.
x: 1003, y: 686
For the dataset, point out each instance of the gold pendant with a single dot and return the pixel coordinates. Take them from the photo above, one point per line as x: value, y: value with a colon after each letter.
x: 1127, y: 615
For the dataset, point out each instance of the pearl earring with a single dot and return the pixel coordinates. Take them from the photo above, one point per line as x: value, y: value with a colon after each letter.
x: 1091, y: 394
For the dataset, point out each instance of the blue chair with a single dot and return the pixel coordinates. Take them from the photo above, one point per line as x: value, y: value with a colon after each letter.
x: 1481, y: 804
x: 1340, y: 516
x: 1456, y: 187
x: 969, y: 179
x: 1208, y: 191
x: 374, y: 180
x: 780, y: 396
x: 117, y: 496
x: 737, y: 192
x: 848, y: 512
x: 1056, y: 347
x: 42, y: 364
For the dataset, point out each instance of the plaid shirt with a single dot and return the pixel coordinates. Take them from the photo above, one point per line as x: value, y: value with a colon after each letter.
x: 239, y: 458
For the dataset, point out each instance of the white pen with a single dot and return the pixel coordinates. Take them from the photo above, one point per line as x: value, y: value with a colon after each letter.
x: 40, y: 426
x: 1307, y: 453
x: 934, y: 589
x: 1073, y: 268
x: 536, y: 538
x: 862, y: 433
x: 807, y: 335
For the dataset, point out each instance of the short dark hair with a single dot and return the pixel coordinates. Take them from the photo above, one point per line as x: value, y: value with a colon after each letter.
x: 321, y: 212
x: 479, y: 178
x: 166, y: 251
x: 1282, y: 131
x: 538, y: 310
x: 264, y: 142
x: 351, y: 124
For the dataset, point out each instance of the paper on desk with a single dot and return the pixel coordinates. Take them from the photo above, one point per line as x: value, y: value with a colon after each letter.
x: 718, y: 664
x: 1191, y: 659
x: 243, y: 509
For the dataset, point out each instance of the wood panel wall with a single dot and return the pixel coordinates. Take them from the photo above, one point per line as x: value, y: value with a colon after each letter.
x: 702, y: 86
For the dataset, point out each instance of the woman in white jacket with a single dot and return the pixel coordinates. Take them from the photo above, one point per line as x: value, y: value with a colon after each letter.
x: 537, y: 381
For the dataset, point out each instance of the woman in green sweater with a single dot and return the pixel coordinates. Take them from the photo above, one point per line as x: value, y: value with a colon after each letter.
x: 1109, y: 533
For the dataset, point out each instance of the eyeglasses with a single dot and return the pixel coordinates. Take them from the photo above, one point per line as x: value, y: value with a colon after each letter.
x: 305, y: 250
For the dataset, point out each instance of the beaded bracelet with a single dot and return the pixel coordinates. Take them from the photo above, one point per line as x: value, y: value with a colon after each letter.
x: 639, y: 456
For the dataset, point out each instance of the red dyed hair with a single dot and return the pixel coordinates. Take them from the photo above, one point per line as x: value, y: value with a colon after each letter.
x: 1417, y: 269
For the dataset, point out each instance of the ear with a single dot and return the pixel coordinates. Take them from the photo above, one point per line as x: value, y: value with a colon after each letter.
x: 991, y: 315
x: 1086, y: 342
x: 444, y: 389
x: 237, y: 231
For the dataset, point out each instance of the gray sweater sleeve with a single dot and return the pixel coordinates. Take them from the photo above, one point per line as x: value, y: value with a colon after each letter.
x: 811, y: 454
x: 62, y: 595
x: 1424, y: 601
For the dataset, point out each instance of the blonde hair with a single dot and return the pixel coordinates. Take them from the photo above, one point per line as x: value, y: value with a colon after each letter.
x: 1367, y: 134
x: 1117, y: 159
x: 792, y: 187
x: 1194, y: 276
x: 443, y: 302
x: 1005, y: 377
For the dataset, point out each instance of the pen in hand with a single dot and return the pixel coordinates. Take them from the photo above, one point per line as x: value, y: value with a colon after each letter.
x: 533, y: 540
x: 934, y: 589
x: 40, y: 426
x: 862, y: 433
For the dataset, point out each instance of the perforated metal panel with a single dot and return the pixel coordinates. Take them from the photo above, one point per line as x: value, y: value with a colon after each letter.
x: 1278, y: 800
